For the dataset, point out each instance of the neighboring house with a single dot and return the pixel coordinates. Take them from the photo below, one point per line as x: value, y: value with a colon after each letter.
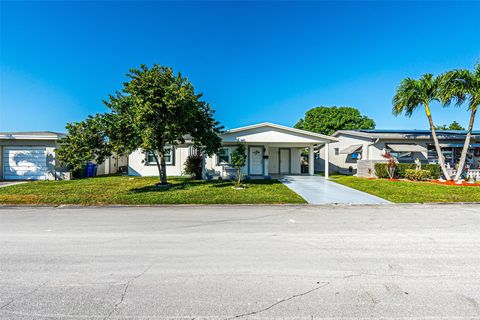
x: 31, y: 156
x: 271, y: 150
x: 358, y: 150
x: 28, y: 155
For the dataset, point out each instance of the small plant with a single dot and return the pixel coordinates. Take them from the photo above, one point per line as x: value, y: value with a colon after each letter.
x: 193, y: 166
x: 417, y: 175
x: 237, y: 160
x: 391, y: 165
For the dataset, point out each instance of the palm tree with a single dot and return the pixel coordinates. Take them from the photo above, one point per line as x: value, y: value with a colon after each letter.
x: 462, y: 85
x: 410, y: 95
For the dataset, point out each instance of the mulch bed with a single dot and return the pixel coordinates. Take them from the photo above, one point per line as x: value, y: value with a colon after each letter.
x: 453, y: 183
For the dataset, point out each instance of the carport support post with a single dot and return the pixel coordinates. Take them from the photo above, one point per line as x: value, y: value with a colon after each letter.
x: 311, y: 161
x: 327, y: 161
x: 265, y: 161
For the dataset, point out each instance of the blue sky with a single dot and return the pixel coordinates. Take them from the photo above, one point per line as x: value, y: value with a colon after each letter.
x: 254, y: 61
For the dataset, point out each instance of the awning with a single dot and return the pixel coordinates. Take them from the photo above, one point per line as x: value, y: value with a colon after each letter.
x: 351, y: 149
x: 458, y: 145
x: 406, y: 147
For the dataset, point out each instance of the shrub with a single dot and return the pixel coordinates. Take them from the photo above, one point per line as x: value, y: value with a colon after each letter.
x: 193, y: 166
x: 417, y: 175
x: 238, y: 159
x: 381, y: 170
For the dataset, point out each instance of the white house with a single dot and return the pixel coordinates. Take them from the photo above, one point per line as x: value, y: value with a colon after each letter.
x: 356, y: 151
x: 272, y: 149
x: 28, y: 155
x: 31, y: 156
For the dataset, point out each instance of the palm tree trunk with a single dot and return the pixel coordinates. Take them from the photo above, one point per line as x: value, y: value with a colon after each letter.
x: 441, y: 159
x: 463, y: 157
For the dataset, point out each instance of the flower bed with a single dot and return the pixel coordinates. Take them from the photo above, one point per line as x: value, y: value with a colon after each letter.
x: 453, y: 183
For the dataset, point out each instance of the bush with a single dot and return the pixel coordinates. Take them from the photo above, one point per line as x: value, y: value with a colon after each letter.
x: 400, y: 171
x: 193, y: 166
x: 417, y: 175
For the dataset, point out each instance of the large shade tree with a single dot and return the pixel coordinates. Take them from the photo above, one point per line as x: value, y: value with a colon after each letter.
x: 327, y: 120
x: 155, y: 108
x: 462, y: 86
x: 412, y: 94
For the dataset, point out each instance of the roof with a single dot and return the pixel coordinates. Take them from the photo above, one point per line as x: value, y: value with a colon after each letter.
x: 31, y: 135
x: 408, y: 134
x: 285, y: 128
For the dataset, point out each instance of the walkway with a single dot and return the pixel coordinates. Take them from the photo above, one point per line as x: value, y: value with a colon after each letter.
x: 318, y: 190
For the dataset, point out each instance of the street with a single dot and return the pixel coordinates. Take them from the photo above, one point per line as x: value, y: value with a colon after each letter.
x: 241, y: 262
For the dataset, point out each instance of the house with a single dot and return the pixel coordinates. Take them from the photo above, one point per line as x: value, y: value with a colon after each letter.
x: 28, y: 155
x: 356, y: 151
x: 272, y: 149
x: 31, y: 156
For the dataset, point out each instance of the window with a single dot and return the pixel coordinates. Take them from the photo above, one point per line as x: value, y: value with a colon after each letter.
x: 150, y: 159
x: 357, y: 155
x: 337, y: 152
x: 223, y: 157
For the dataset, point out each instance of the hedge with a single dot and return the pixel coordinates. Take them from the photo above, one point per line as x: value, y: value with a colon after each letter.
x: 381, y: 170
x: 417, y: 175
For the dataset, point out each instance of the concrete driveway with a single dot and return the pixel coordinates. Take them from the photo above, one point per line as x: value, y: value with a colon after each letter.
x: 242, y: 262
x: 318, y: 190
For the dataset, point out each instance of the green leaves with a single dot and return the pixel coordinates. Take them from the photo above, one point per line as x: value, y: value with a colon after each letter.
x: 327, y: 120
x: 412, y: 93
x: 154, y: 108
x: 86, y: 141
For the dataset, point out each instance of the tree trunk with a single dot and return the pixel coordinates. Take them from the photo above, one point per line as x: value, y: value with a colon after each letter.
x: 463, y: 157
x: 163, y: 171
x: 158, y: 166
x: 239, y: 176
x: 441, y: 159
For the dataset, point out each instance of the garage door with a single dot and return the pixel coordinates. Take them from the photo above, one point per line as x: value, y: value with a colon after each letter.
x: 24, y: 163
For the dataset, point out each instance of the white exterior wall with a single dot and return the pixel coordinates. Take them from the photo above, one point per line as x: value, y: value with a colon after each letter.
x: 370, y: 151
x: 138, y: 167
x: 342, y: 162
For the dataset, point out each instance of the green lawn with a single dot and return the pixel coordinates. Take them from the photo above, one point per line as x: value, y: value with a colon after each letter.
x: 141, y: 190
x: 406, y: 191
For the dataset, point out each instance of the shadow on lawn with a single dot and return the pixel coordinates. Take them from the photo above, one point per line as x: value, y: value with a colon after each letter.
x: 200, y: 184
x: 153, y: 188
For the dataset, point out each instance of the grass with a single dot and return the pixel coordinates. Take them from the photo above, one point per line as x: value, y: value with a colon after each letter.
x: 410, y: 192
x: 141, y: 190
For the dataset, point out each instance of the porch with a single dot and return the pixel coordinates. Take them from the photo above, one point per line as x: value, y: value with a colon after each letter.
x: 271, y: 150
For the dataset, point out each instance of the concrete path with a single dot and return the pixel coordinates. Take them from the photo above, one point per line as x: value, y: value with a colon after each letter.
x: 318, y: 190
x: 240, y: 262
x: 10, y: 183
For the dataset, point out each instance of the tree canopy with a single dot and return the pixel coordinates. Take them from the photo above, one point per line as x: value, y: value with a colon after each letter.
x: 327, y: 120
x: 453, y: 126
x: 154, y: 108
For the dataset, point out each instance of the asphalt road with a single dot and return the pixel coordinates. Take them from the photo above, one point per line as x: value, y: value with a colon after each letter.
x: 285, y: 262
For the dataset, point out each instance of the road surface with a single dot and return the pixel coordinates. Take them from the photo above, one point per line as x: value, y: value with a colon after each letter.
x: 241, y: 262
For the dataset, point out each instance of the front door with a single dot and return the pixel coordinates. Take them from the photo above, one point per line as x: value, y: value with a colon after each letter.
x: 284, y: 159
x: 255, y: 162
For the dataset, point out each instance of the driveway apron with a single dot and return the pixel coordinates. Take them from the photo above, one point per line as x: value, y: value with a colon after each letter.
x: 318, y: 190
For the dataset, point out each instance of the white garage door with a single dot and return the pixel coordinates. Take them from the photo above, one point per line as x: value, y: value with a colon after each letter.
x: 24, y: 163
